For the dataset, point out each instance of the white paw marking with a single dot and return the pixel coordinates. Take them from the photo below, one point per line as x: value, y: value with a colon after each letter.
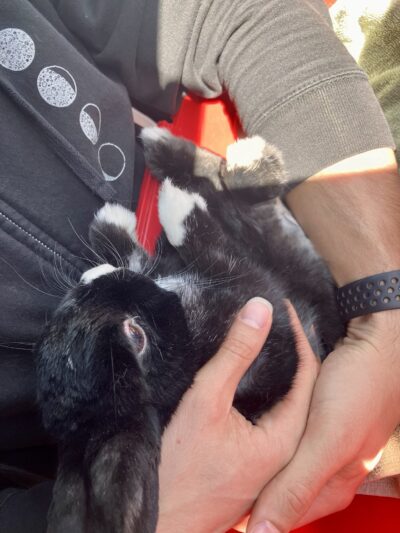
x: 174, y: 206
x: 245, y: 152
x: 154, y: 134
x: 119, y: 216
x: 96, y: 272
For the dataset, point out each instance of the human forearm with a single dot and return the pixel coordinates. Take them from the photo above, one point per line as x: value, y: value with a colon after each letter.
x: 351, y: 212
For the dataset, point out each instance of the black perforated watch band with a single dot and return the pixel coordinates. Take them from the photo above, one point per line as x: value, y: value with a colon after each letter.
x: 369, y: 295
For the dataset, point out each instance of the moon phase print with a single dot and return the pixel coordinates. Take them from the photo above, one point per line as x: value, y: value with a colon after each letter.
x: 17, y: 49
x: 112, y: 161
x: 90, y: 121
x: 57, y: 86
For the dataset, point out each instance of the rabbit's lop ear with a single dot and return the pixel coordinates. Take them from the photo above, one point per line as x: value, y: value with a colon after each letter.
x: 67, y: 512
x: 117, y: 491
x: 123, y: 491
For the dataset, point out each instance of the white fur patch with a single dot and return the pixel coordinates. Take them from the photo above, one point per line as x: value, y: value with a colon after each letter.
x: 154, y: 134
x: 245, y: 152
x: 119, y: 216
x: 136, y: 503
x: 187, y: 286
x: 171, y: 283
x: 137, y: 263
x: 174, y: 206
x: 96, y: 272
x: 70, y: 363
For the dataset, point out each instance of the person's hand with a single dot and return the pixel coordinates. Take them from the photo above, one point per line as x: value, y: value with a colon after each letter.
x: 354, y: 410
x: 215, y: 462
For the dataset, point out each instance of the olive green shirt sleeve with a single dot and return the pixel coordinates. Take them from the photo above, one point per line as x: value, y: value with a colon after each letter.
x: 291, y: 79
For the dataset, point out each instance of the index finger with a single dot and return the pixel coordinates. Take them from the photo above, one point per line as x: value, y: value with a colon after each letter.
x: 292, y: 412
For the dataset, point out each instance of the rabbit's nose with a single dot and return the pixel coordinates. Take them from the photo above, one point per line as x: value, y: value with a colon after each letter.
x: 96, y: 272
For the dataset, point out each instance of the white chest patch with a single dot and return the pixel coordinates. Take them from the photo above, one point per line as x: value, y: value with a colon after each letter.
x: 174, y: 206
x: 96, y: 272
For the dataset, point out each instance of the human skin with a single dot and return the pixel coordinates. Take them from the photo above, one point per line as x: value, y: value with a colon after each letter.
x: 214, y: 461
x: 351, y: 212
x: 353, y: 221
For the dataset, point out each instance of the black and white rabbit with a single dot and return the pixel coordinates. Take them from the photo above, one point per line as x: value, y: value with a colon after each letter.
x: 126, y: 342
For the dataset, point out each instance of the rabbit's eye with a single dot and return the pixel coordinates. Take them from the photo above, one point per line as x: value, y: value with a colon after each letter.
x: 135, y: 334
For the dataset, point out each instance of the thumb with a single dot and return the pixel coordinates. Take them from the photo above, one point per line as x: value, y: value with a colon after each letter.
x: 244, y: 341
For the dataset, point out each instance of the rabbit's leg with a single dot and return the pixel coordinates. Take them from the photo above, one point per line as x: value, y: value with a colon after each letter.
x: 180, y: 160
x: 254, y: 169
x: 196, y: 235
x: 113, y: 238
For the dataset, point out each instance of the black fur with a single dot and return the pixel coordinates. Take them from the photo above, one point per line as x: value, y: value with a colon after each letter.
x: 107, y: 402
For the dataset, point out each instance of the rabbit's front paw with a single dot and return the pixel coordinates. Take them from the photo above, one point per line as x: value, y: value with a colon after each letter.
x: 175, y: 207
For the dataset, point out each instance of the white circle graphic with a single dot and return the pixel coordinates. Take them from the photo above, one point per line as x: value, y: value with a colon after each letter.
x: 112, y: 161
x: 90, y: 121
x: 56, y: 86
x: 17, y: 50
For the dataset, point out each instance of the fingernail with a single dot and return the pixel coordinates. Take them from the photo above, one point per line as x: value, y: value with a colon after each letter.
x: 256, y: 312
x: 265, y: 527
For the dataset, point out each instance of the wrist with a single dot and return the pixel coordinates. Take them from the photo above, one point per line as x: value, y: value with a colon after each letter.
x: 384, y: 325
x: 372, y: 294
x: 374, y: 340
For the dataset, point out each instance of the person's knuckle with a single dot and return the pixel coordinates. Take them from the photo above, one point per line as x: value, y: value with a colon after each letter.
x: 298, y: 498
x: 240, y: 346
x: 352, y: 474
